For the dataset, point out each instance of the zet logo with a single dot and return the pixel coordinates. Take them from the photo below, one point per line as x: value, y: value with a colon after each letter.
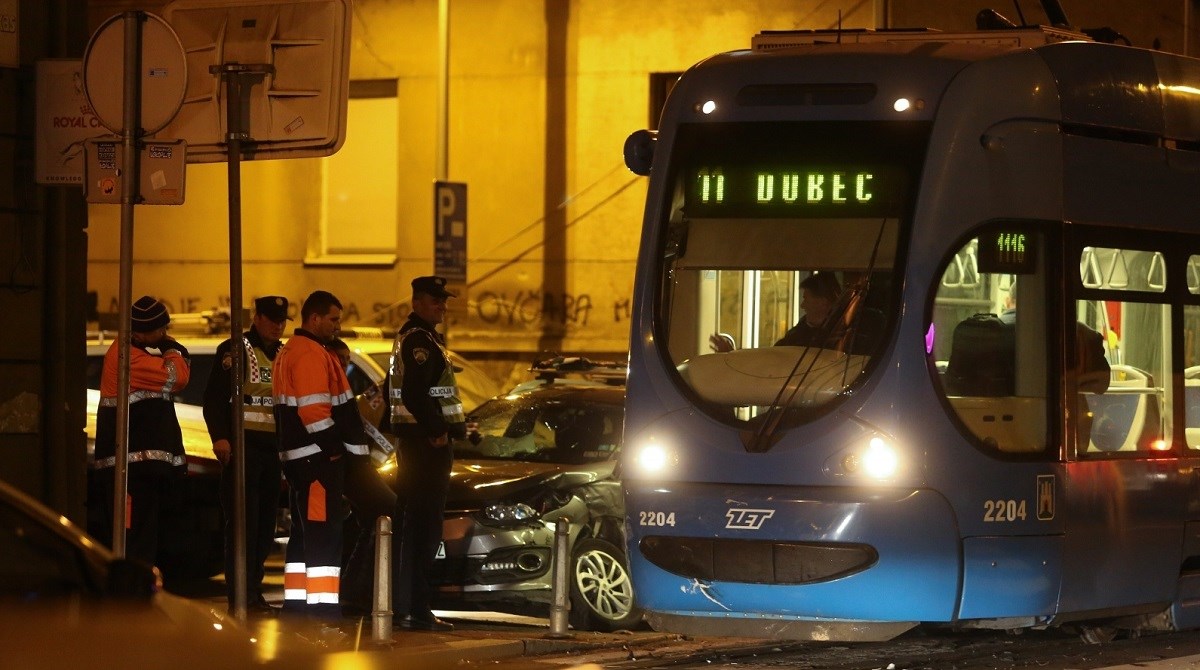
x: 747, y: 519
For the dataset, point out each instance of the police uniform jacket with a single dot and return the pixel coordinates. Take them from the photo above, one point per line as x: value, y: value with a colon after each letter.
x: 424, y: 365
x: 218, y: 410
x: 155, y: 441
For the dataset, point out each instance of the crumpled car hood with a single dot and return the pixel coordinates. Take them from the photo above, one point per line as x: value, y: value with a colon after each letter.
x: 475, y: 482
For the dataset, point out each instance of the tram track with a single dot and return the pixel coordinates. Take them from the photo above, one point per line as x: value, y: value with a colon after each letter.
x: 920, y: 650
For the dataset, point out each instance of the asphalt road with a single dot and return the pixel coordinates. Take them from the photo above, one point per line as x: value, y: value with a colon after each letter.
x: 920, y: 649
x: 917, y: 650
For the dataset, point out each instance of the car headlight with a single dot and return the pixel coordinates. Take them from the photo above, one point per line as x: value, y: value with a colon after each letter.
x: 505, y: 513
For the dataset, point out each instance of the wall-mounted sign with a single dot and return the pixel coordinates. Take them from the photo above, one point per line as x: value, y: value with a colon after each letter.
x: 10, y: 24
x: 64, y: 121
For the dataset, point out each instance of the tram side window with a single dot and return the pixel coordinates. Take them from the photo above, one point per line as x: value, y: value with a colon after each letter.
x: 1191, y: 374
x: 988, y: 340
x: 1131, y: 413
x: 1191, y: 357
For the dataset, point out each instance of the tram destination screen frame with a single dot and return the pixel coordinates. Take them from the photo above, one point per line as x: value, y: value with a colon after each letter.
x: 799, y: 170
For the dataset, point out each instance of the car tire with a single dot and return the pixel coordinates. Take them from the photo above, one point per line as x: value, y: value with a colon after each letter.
x: 601, y: 589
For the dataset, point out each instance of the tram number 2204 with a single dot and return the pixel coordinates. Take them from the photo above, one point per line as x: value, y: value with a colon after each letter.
x: 659, y: 519
x: 1004, y: 510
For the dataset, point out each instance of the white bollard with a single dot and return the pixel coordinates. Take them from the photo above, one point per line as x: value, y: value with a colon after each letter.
x: 381, y: 614
x: 561, y: 606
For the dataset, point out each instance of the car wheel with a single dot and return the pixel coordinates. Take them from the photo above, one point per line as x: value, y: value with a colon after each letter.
x: 601, y: 590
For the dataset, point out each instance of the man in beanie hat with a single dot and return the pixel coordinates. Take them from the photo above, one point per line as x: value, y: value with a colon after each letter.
x: 259, y: 346
x: 156, y: 459
x: 426, y: 415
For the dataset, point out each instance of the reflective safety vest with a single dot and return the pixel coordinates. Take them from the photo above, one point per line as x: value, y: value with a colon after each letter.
x: 259, y: 400
x: 446, y: 390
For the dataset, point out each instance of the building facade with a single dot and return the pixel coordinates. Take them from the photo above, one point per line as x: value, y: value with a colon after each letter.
x: 540, y: 97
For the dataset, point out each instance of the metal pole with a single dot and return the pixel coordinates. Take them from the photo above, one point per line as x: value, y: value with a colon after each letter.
x: 131, y: 133
x: 1187, y: 27
x: 561, y: 606
x: 443, y: 110
x: 381, y: 614
x: 238, y: 79
x: 883, y: 14
x: 233, y: 103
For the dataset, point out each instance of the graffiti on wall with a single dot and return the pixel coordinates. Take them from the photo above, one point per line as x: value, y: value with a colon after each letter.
x: 525, y: 309
x: 533, y: 307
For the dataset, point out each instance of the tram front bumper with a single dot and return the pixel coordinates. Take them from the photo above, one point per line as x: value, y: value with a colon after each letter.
x: 815, y: 554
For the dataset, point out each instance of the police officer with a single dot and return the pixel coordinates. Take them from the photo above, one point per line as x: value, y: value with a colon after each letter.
x: 259, y: 346
x: 156, y: 459
x: 426, y: 415
x: 318, y: 426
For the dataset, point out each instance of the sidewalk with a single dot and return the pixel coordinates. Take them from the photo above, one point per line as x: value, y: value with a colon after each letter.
x: 470, y: 642
x: 477, y: 636
x: 523, y: 648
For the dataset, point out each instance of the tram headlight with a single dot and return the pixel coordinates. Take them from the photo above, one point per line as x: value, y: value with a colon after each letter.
x: 877, y: 459
x: 903, y: 105
x: 880, y: 459
x: 652, y: 458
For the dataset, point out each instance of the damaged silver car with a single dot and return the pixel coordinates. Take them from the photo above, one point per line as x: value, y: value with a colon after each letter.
x: 545, y: 451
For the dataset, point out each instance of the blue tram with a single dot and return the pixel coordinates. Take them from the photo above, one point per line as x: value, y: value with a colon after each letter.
x: 916, y: 338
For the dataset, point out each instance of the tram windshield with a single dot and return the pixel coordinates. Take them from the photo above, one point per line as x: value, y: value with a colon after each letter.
x: 779, y: 257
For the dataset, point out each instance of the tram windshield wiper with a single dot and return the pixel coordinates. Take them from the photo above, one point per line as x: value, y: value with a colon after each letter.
x: 763, y: 437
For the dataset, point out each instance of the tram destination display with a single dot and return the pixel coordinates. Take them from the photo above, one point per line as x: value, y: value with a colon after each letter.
x: 807, y: 192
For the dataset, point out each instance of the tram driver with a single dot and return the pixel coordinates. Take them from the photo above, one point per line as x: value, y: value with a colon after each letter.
x: 830, y: 321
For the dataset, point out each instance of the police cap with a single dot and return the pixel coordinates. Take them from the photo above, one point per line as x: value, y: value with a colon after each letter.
x: 274, y: 307
x: 432, y: 285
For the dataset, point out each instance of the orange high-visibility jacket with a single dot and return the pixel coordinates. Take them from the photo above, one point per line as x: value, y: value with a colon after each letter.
x: 315, y: 412
x: 154, y: 435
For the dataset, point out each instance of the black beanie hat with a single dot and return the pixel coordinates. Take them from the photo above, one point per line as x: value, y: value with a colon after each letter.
x: 149, y: 314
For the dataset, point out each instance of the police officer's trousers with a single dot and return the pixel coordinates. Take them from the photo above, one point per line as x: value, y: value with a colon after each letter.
x: 424, y: 475
x: 263, y: 488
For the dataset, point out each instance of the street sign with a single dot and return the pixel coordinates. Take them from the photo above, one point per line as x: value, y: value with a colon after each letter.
x: 162, y: 168
x: 450, y: 231
x: 297, y: 112
x: 163, y: 74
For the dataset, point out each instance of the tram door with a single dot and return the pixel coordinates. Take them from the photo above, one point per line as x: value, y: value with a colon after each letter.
x: 1124, y: 494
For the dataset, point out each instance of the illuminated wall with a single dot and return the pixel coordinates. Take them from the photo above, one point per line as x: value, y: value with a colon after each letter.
x: 542, y: 96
